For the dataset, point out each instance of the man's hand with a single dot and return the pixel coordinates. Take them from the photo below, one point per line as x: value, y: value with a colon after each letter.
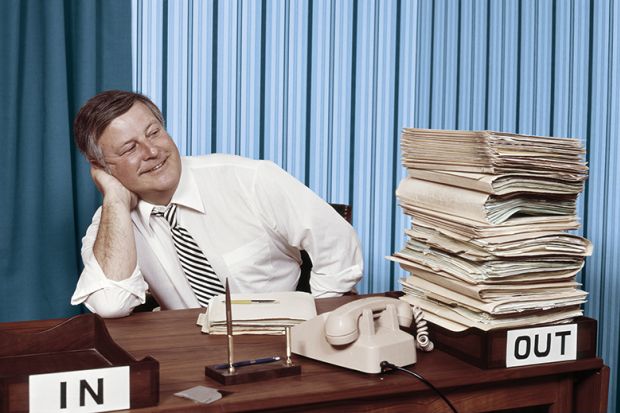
x: 111, y: 188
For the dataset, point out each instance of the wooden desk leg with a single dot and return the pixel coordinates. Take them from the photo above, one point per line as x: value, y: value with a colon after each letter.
x: 564, y: 396
x: 591, y: 392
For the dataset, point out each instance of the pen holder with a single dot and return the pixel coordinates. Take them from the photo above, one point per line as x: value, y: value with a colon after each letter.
x: 255, y: 370
x: 252, y: 372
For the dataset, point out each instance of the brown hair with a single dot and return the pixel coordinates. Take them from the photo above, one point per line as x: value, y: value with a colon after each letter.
x: 98, y: 112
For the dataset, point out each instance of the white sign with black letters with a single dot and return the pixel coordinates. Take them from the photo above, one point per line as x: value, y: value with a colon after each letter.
x: 541, y: 345
x: 80, y: 391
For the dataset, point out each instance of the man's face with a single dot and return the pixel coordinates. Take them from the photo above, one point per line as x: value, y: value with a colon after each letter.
x: 139, y: 153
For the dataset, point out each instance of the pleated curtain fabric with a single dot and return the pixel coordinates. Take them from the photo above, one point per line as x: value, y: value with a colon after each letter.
x: 55, y: 55
x: 198, y: 270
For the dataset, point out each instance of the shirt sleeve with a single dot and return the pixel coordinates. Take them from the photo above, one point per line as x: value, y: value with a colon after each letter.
x: 98, y: 293
x: 309, y: 223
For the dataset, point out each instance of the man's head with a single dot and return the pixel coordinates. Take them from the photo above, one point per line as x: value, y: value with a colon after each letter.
x: 123, y: 133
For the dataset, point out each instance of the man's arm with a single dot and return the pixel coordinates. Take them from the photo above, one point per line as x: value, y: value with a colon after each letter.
x: 111, y: 284
x: 115, y: 245
x: 307, y: 222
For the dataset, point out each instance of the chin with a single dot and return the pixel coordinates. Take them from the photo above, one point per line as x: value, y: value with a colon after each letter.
x: 166, y: 187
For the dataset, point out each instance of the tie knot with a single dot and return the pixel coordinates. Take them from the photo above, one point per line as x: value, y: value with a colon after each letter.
x: 169, y: 213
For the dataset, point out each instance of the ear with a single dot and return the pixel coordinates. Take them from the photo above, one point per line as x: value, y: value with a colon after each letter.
x: 95, y: 163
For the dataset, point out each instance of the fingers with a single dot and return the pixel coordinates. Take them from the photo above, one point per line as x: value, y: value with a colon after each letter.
x: 96, y: 174
x: 111, y: 188
x: 104, y: 181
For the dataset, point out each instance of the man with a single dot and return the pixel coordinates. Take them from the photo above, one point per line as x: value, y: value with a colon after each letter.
x: 181, y: 227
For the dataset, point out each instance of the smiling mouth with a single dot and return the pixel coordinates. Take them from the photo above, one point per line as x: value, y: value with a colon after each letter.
x: 156, y: 167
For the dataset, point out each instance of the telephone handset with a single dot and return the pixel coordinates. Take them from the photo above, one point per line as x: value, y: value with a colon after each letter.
x: 359, y: 335
x: 341, y: 326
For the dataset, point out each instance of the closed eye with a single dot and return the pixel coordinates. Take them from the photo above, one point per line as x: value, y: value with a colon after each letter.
x: 153, y: 133
x: 128, y: 149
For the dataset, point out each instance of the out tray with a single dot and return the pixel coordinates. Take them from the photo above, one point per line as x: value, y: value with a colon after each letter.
x: 79, y: 343
x: 487, y: 349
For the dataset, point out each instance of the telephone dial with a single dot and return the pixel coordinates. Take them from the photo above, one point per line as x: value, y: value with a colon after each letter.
x: 361, y: 334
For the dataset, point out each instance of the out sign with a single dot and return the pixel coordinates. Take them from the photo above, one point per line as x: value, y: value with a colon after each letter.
x: 541, y: 345
x: 97, y: 390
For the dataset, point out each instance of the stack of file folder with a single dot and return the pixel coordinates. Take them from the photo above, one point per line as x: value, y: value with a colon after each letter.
x: 488, y: 246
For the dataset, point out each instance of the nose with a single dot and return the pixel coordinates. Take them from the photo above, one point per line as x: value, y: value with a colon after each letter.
x: 149, y: 150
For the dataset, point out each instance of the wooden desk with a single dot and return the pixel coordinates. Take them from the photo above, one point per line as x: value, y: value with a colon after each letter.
x: 173, y: 338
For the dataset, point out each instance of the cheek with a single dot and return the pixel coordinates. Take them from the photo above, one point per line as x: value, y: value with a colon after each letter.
x: 169, y: 146
x: 126, y: 172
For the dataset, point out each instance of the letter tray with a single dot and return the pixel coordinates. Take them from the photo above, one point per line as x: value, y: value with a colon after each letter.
x: 79, y: 343
x: 487, y: 349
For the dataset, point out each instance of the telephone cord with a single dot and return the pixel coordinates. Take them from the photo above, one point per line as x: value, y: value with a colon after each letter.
x: 422, y: 342
x: 385, y: 365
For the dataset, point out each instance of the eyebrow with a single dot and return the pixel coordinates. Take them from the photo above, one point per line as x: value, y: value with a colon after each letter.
x: 150, y: 125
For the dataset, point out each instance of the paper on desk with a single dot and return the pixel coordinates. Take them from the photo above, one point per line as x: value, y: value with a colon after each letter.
x: 527, y: 245
x: 516, y: 235
x: 546, y: 276
x: 507, y: 304
x: 420, y: 255
x: 493, y: 153
x: 478, y: 206
x: 487, y: 247
x: 501, y: 184
x: 200, y: 394
x: 459, y: 318
x: 290, y: 308
x: 495, y: 291
x: 471, y: 229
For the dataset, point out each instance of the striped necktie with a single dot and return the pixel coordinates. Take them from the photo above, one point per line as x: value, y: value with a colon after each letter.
x: 196, y: 267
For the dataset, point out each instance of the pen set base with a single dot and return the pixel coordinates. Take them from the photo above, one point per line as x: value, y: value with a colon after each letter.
x: 251, y: 373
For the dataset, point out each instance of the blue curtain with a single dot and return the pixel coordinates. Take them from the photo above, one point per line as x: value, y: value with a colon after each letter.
x: 55, y: 54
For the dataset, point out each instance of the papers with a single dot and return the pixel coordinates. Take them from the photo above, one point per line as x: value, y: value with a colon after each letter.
x: 500, y: 184
x: 200, y: 394
x: 499, y: 271
x: 538, y: 243
x: 517, y: 245
x: 532, y: 297
x: 494, y: 153
x: 460, y: 318
x: 479, y: 206
x: 271, y: 316
x: 488, y: 246
x: 492, y: 292
x: 472, y: 229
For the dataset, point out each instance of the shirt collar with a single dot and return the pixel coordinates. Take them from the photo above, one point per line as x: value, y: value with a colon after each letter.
x: 187, y: 195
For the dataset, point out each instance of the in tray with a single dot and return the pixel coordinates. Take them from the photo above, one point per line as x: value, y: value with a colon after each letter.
x: 79, y: 343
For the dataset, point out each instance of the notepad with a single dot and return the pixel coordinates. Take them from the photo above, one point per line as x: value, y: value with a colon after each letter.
x: 260, y: 317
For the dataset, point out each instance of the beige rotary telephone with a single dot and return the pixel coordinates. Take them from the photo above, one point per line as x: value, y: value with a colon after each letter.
x: 359, y: 335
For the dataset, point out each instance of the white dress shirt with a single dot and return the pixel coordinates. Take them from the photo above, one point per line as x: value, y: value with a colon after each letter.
x: 250, y: 218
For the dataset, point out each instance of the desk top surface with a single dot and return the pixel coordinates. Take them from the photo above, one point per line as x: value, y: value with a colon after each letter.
x: 174, y: 339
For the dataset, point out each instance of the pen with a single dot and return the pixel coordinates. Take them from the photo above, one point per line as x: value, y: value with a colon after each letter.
x: 253, y: 301
x: 249, y: 362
